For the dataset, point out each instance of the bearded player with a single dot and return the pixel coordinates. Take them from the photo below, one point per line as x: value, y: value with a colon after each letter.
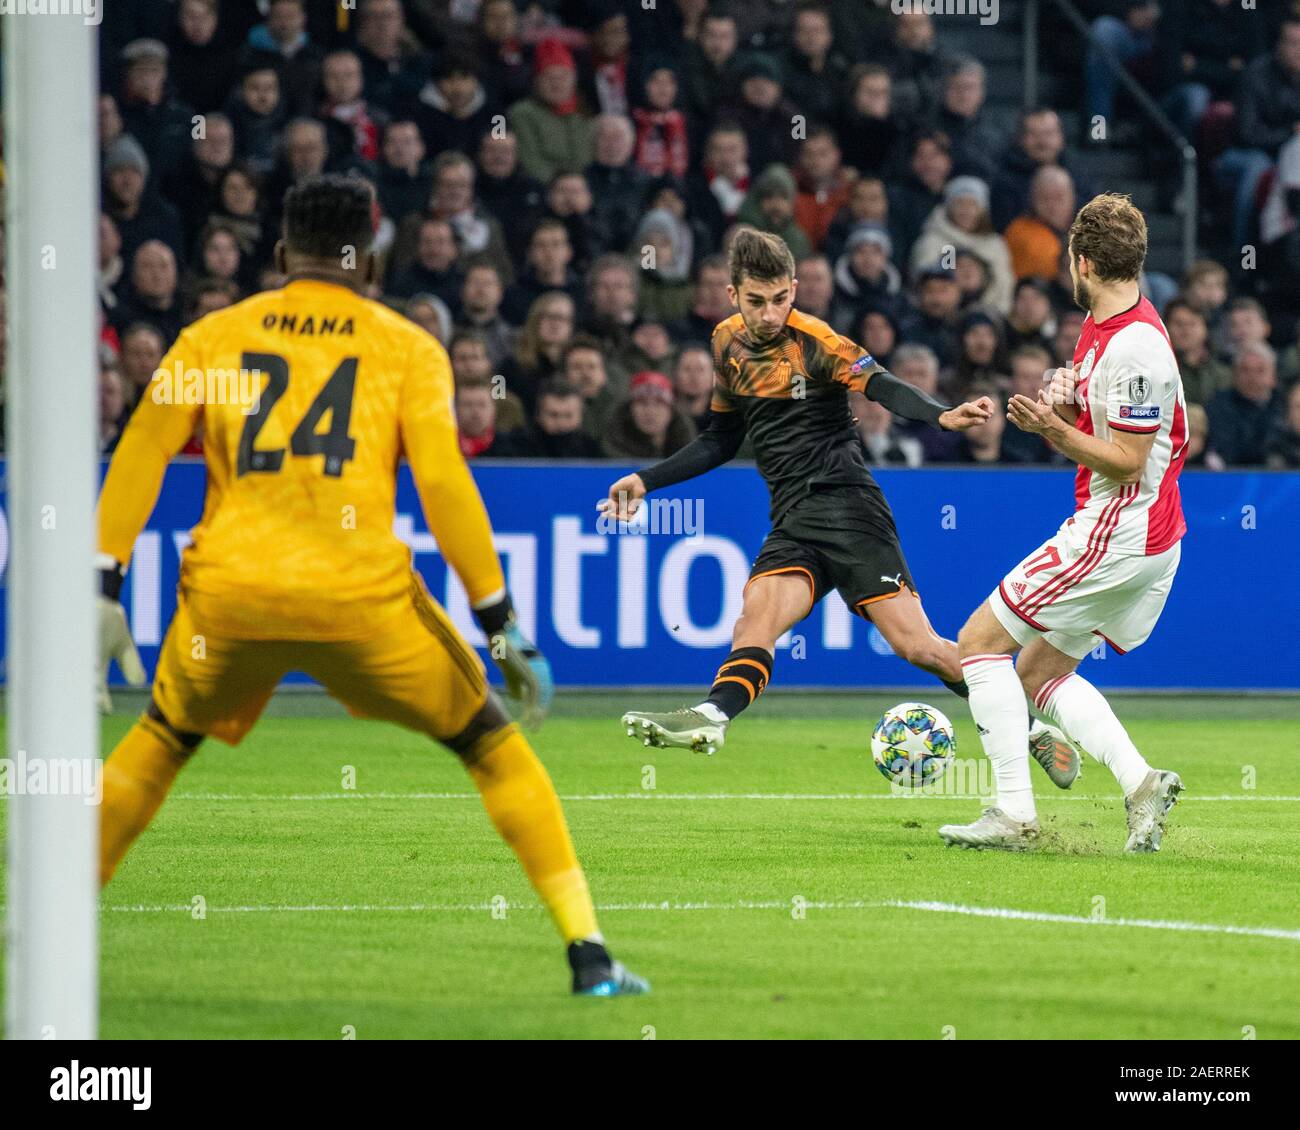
x: 785, y: 378
x: 295, y: 566
x: 1105, y: 574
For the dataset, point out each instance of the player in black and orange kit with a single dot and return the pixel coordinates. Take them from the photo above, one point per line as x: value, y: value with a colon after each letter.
x: 295, y: 566
x: 786, y: 379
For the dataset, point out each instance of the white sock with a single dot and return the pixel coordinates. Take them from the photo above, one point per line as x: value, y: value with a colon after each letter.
x: 1081, y: 710
x: 713, y: 712
x: 997, y: 703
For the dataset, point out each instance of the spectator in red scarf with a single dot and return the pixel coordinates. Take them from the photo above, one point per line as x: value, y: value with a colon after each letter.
x: 605, y: 75
x: 476, y: 417
x: 662, y: 147
x: 343, y: 82
x: 110, y: 345
x: 506, y: 71
x: 554, y: 136
x: 717, y: 190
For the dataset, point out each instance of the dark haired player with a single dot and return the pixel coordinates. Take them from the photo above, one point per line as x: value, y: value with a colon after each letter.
x: 785, y: 378
x: 295, y: 566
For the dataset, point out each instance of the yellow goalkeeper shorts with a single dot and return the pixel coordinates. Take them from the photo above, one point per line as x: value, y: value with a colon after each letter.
x: 416, y: 670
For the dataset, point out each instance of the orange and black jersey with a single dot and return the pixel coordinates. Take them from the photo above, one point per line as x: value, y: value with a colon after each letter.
x: 806, y: 350
x: 791, y: 394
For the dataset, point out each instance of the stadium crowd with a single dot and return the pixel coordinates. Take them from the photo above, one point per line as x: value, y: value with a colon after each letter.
x: 557, y: 182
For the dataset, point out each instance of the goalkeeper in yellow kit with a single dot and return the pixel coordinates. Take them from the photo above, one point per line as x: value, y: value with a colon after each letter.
x: 295, y: 566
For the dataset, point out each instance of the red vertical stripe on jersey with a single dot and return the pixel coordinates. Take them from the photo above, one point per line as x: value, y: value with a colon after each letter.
x: 1083, y: 476
x: 1165, y: 522
x: 1088, y: 340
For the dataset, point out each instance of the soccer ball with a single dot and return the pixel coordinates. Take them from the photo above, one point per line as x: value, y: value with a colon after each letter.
x: 913, y: 744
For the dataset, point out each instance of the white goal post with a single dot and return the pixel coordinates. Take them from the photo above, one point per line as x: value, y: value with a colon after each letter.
x: 51, y: 408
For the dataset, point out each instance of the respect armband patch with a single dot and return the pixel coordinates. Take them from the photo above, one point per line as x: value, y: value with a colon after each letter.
x: 1140, y: 411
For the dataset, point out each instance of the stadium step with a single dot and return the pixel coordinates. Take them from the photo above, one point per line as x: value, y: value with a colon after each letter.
x: 1000, y: 48
x: 1108, y: 164
x: 1165, y: 227
x: 1166, y: 258
x: 989, y: 44
x: 1005, y: 74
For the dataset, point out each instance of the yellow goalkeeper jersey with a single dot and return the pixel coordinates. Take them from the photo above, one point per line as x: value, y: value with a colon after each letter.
x: 306, y: 398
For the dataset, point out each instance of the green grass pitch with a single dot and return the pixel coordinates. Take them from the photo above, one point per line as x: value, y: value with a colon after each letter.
x: 756, y: 889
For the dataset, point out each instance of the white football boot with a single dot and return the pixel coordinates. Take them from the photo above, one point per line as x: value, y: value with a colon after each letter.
x: 1148, y: 809
x: 682, y: 729
x: 994, y: 829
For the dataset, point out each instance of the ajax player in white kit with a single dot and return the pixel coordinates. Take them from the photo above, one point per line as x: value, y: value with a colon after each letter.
x: 1105, y: 574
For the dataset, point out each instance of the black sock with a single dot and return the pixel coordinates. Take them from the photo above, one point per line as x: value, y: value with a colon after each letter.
x: 740, y: 679
x: 590, y: 962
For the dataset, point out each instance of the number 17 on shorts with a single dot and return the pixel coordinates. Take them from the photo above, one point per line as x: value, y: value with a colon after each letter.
x: 1076, y: 596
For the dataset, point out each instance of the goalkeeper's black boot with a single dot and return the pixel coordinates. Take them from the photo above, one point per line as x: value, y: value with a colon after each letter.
x: 596, y: 974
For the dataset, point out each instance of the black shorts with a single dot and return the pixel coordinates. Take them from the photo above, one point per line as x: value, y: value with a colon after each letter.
x: 841, y: 538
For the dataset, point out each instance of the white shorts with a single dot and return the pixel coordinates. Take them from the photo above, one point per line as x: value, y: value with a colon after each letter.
x: 1070, y: 598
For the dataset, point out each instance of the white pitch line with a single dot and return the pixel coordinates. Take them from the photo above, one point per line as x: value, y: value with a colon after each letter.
x: 652, y: 795
x: 931, y: 907
x: 1081, y: 920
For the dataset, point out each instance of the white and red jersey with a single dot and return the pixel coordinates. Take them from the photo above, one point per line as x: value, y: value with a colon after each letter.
x: 1129, y: 382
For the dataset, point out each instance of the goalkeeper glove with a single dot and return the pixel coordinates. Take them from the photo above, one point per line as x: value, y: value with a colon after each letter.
x: 527, y: 673
x: 115, y: 640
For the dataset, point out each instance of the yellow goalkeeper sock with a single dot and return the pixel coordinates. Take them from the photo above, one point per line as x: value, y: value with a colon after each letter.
x: 137, y: 776
x: 519, y: 797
